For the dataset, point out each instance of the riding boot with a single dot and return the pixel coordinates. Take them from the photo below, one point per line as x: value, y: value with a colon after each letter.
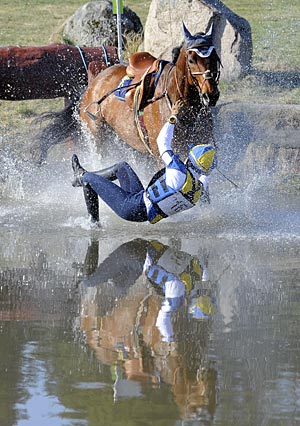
x: 78, y: 170
x: 92, y: 202
x: 109, y: 173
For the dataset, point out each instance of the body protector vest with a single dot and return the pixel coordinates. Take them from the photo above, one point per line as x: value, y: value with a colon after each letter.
x: 166, y: 201
x: 176, y: 267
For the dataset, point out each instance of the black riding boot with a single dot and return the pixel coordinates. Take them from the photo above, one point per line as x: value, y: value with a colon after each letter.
x: 91, y: 197
x: 92, y: 202
x: 109, y: 173
x: 78, y: 170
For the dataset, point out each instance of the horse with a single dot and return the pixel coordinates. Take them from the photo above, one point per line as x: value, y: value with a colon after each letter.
x: 48, y: 72
x: 152, y: 87
x: 135, y: 328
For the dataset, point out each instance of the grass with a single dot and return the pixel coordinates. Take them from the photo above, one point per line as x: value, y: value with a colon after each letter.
x: 33, y: 22
x: 275, y: 27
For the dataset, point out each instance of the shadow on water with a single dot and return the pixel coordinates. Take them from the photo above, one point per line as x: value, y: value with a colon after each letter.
x: 194, y: 321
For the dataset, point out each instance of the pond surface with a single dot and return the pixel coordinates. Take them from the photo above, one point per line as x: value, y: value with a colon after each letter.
x: 194, y: 321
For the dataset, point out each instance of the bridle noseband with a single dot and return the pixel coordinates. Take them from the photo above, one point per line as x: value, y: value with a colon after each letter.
x: 207, y: 75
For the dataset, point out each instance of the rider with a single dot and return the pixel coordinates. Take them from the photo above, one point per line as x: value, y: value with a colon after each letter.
x: 173, y: 189
x: 179, y: 276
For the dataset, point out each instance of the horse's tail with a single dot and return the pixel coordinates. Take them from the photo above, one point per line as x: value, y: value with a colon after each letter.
x: 61, y: 126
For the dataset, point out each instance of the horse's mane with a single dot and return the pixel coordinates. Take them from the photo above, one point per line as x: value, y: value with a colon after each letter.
x: 176, y: 53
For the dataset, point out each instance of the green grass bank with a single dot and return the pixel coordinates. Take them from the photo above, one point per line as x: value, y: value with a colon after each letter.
x: 275, y: 28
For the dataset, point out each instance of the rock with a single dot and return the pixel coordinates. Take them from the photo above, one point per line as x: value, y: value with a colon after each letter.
x: 258, y: 138
x: 232, y: 33
x: 94, y: 24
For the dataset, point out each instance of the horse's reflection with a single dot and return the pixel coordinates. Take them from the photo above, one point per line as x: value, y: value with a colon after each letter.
x: 146, y: 310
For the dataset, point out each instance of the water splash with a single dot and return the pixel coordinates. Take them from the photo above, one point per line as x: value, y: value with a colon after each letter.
x: 43, y: 197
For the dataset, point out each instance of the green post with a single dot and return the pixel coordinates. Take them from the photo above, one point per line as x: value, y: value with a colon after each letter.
x: 118, y: 10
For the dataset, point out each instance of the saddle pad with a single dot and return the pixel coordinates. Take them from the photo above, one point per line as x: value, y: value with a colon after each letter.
x: 121, y: 88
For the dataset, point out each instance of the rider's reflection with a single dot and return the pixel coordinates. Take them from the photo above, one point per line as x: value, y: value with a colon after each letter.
x: 178, y: 275
x: 156, y: 332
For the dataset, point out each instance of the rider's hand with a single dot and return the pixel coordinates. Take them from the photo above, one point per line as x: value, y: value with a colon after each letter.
x: 177, y: 106
x: 175, y: 110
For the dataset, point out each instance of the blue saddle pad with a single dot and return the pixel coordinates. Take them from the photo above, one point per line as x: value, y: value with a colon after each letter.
x: 121, y: 88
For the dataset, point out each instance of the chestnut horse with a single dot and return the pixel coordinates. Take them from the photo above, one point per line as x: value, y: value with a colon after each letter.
x: 48, y: 72
x: 193, y: 76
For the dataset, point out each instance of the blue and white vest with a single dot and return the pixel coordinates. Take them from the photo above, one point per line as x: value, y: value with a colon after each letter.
x: 166, y: 201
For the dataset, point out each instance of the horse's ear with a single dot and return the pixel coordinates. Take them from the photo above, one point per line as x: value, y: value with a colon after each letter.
x: 186, y: 33
x: 210, y: 30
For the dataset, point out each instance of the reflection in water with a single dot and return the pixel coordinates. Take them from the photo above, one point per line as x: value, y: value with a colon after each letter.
x: 38, y: 402
x: 92, y: 332
x: 147, y: 311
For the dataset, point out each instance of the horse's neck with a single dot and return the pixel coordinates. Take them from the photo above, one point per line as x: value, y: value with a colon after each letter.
x: 180, y: 84
x: 181, y: 74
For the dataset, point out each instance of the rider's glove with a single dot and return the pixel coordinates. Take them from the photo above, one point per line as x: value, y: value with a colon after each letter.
x: 175, y: 110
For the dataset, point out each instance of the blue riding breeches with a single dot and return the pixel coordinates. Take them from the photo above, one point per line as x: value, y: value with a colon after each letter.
x: 126, y: 200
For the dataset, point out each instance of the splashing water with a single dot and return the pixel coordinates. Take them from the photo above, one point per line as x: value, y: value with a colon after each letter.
x: 43, y: 197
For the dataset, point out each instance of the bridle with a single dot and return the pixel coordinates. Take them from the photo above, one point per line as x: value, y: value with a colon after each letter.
x: 207, y: 75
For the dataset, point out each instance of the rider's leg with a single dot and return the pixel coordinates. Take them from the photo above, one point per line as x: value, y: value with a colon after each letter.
x: 109, y: 173
x: 126, y: 200
x: 128, y: 179
x: 92, y: 202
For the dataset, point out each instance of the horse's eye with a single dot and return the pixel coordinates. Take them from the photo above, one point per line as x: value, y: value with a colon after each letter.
x: 191, y: 61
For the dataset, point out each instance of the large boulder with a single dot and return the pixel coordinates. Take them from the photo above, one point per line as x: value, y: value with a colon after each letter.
x: 232, y: 34
x: 259, y: 139
x: 94, y: 24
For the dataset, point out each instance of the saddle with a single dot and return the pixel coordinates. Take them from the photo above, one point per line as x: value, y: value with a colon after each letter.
x: 142, y: 70
x: 139, y: 64
x: 138, y: 86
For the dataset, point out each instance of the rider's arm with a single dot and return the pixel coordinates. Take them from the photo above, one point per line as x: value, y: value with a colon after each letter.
x: 175, y: 169
x: 164, y: 142
x: 165, y: 137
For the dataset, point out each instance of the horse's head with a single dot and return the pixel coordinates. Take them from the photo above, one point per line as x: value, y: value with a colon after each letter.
x: 203, y: 65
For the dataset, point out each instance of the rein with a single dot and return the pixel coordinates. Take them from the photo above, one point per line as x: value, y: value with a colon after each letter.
x: 99, y: 102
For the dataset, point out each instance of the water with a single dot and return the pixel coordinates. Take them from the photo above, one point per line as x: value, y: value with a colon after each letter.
x: 90, y: 336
